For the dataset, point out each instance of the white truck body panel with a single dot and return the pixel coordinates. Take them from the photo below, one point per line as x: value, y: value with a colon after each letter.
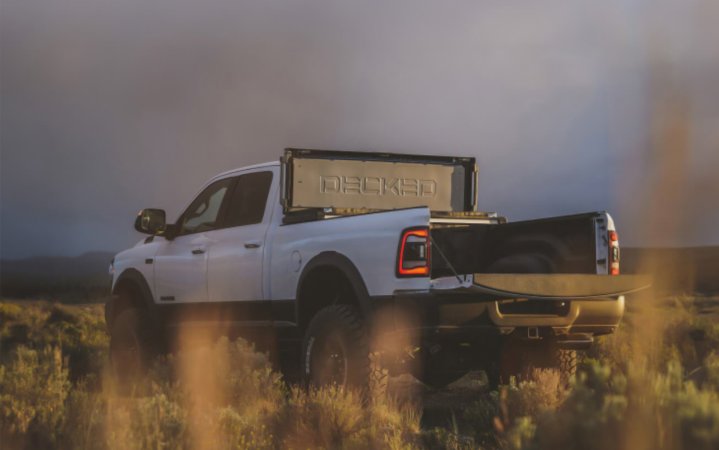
x: 181, y: 274
x: 238, y: 256
x: 227, y: 271
x: 368, y: 240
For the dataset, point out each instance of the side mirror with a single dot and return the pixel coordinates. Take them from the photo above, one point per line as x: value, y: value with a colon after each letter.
x: 150, y: 221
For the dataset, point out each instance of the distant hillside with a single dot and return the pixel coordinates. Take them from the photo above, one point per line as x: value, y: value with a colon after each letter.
x: 85, y: 278
x: 689, y: 270
x: 59, y: 266
x: 79, y: 278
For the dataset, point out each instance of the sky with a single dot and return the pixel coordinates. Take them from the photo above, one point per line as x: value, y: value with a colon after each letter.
x: 108, y: 107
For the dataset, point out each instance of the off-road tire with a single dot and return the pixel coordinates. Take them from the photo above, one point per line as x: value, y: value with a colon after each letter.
x: 336, y: 351
x: 519, y: 358
x: 566, y: 362
x: 378, y: 376
x: 132, y: 349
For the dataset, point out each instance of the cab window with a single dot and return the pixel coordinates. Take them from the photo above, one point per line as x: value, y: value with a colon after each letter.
x: 246, y: 205
x: 204, y: 213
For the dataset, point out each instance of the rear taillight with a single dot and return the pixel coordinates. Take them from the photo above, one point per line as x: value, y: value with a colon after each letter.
x: 413, y: 257
x: 613, y: 253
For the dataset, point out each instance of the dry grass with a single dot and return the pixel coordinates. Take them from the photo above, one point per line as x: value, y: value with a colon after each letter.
x: 230, y: 399
x: 234, y: 400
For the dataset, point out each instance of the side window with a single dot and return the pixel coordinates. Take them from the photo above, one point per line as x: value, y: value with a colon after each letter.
x: 247, y: 202
x: 203, y: 214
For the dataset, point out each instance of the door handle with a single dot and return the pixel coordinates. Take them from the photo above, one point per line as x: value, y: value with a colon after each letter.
x: 252, y: 244
x: 198, y: 251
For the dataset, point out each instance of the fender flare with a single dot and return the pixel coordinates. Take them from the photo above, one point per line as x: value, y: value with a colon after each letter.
x: 133, y: 276
x: 349, y: 270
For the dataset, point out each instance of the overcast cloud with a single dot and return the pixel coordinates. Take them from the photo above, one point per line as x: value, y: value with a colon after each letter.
x: 108, y: 107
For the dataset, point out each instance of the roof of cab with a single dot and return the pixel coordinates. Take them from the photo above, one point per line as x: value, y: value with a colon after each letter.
x: 242, y: 169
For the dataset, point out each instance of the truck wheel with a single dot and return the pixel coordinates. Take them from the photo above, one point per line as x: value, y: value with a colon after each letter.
x: 378, y: 376
x: 519, y: 358
x: 131, y: 348
x: 566, y: 361
x: 336, y: 350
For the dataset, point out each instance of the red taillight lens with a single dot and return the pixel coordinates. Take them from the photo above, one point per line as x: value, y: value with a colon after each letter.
x: 613, y: 253
x: 414, y: 248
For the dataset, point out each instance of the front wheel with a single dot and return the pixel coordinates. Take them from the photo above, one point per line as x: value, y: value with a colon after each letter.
x: 131, y: 348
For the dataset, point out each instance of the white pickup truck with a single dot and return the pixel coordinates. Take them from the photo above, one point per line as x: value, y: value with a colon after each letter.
x: 342, y: 262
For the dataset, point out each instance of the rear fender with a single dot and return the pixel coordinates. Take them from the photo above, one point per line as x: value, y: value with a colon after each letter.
x: 349, y: 270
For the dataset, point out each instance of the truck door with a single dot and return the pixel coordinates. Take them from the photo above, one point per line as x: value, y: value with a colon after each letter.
x: 181, y: 264
x: 236, y: 251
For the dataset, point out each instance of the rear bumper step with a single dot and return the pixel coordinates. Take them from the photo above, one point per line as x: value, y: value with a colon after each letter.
x: 575, y: 342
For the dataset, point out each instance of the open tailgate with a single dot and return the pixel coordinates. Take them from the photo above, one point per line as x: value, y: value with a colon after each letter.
x: 494, y: 287
x: 364, y: 181
x: 554, y: 286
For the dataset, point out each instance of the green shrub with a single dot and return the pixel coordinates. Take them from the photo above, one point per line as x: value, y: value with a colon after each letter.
x: 79, y: 331
x: 644, y: 409
x: 334, y: 418
x: 590, y: 417
x: 686, y: 416
x: 505, y: 418
x: 82, y: 335
x: 444, y: 439
x: 711, y: 372
x: 151, y: 422
x: 33, y: 389
x: 224, y: 395
x: 228, y: 374
x: 85, y: 419
x: 9, y: 312
x: 542, y: 392
x: 488, y: 416
x: 227, y: 392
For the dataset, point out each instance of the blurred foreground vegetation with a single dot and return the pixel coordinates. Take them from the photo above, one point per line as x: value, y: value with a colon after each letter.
x: 654, y: 384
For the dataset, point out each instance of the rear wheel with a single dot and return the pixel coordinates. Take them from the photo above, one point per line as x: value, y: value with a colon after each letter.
x: 566, y: 361
x: 336, y: 351
x: 518, y: 359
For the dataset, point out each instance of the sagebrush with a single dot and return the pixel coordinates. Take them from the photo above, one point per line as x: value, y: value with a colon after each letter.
x: 55, y: 393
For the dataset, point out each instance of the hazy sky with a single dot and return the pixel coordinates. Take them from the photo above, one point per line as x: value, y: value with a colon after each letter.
x: 110, y: 106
